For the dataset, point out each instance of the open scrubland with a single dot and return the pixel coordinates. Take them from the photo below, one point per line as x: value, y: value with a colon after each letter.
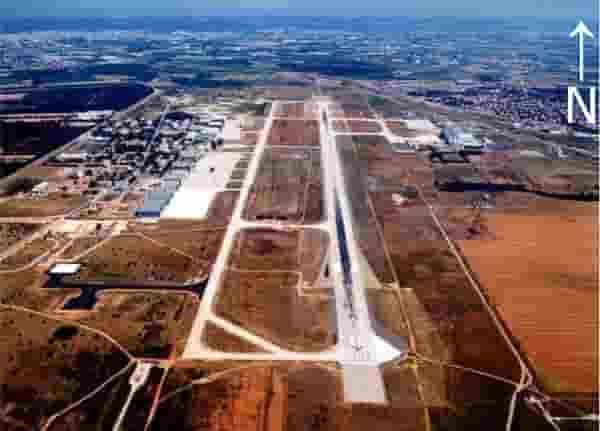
x: 216, y: 338
x: 27, y: 254
x: 136, y: 258
x: 288, y: 187
x: 54, y: 205
x: 47, y: 365
x: 272, y: 305
x: 25, y: 289
x: 302, y: 110
x: 11, y: 233
x: 147, y: 324
x: 301, y: 251
x: 356, y: 126
x: 294, y: 133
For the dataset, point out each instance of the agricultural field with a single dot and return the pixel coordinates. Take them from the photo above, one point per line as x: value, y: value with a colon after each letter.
x: 547, y: 296
x: 270, y: 304
x: 50, y: 364
x: 294, y: 133
x: 288, y: 187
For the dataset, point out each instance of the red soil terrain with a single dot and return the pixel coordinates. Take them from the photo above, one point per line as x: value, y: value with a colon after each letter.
x: 541, y: 273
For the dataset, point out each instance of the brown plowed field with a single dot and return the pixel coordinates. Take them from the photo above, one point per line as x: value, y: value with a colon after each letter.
x: 268, y: 304
x: 541, y: 273
x: 294, y: 133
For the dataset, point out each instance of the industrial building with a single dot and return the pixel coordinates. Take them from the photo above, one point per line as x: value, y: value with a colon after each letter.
x: 460, y: 140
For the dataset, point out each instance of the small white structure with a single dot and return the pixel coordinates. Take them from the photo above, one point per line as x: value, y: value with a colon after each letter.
x: 64, y: 269
x: 40, y: 190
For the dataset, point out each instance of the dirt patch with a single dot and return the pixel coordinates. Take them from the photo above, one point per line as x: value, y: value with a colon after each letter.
x: 268, y: 304
x: 266, y: 249
x: 541, y: 274
x: 281, y: 250
x: 294, y: 133
x: 218, y: 339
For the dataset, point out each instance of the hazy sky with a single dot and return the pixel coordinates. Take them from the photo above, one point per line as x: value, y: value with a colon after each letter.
x: 539, y: 8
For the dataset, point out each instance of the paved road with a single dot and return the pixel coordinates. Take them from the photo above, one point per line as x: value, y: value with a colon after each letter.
x: 194, y: 347
x: 361, y: 376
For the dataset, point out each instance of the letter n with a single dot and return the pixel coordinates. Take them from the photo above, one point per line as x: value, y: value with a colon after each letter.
x: 590, y: 114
